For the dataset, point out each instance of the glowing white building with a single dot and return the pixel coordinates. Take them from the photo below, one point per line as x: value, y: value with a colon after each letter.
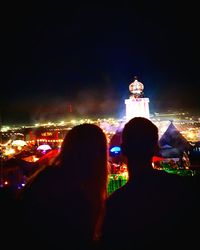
x: 137, y: 105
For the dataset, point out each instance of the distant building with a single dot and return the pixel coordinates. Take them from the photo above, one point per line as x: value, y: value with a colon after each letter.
x: 137, y: 104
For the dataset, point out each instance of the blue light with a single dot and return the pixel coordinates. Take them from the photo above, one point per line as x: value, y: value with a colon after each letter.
x: 115, y: 150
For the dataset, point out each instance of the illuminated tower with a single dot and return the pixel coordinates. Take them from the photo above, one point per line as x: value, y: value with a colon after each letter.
x: 136, y: 105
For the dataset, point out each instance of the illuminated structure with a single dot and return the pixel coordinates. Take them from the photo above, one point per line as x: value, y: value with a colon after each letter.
x: 137, y: 105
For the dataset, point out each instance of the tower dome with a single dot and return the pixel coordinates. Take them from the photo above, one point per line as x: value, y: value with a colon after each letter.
x: 136, y: 88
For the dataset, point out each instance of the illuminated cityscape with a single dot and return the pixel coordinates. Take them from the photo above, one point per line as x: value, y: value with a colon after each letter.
x: 33, y: 143
x: 18, y: 139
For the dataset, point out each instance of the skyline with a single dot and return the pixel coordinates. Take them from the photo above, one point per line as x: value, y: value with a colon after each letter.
x: 87, y: 54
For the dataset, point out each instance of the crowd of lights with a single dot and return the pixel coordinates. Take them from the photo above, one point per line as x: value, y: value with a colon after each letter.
x: 11, y: 148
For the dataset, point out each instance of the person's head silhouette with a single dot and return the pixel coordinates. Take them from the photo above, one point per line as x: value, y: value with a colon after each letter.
x: 139, y: 144
x: 85, y: 147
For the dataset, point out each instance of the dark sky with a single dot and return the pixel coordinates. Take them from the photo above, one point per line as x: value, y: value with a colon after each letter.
x: 87, y: 54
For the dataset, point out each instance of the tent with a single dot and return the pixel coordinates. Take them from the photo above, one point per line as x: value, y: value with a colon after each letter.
x: 19, y: 143
x: 44, y: 147
x: 172, y: 143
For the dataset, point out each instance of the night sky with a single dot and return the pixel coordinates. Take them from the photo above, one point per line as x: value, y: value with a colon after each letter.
x: 86, y: 55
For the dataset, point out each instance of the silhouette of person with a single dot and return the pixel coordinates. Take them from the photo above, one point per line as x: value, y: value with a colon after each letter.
x: 63, y: 205
x: 149, y: 211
